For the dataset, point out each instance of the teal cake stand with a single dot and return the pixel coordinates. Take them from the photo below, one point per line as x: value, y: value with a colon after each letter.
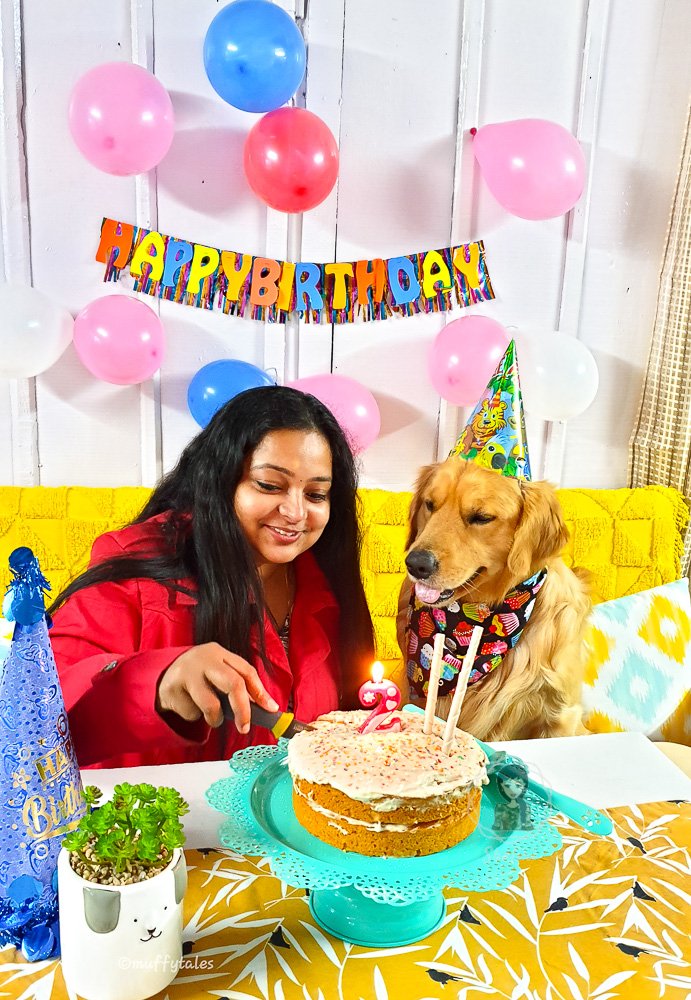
x: 376, y: 902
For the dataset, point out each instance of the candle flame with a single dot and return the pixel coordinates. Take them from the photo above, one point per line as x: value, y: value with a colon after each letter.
x: 377, y: 672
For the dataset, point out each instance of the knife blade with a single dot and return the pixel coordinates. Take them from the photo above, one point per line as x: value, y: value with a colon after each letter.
x: 279, y: 723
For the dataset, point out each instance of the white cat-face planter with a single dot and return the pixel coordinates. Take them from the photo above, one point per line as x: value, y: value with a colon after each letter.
x: 121, y: 942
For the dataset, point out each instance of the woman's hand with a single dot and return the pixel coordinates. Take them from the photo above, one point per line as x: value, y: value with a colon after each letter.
x: 190, y: 684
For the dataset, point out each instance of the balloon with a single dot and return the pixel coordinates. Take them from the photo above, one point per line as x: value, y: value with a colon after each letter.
x: 33, y: 333
x: 216, y: 383
x: 352, y: 404
x: 534, y: 168
x: 254, y: 55
x: 121, y: 118
x: 119, y: 339
x: 463, y: 357
x: 291, y: 159
x: 559, y: 376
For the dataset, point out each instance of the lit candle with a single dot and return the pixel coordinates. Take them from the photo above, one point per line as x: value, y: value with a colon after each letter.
x: 382, y: 696
x: 433, y: 682
x: 461, y: 685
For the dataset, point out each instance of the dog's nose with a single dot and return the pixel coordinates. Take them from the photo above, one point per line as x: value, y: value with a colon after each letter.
x: 421, y: 563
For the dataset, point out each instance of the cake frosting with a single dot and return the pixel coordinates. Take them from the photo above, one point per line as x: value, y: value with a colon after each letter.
x: 385, y: 792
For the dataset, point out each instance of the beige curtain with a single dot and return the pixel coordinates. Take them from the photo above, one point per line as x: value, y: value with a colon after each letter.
x: 660, y: 448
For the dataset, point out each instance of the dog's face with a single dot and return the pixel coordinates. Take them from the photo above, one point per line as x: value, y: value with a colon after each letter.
x: 474, y: 533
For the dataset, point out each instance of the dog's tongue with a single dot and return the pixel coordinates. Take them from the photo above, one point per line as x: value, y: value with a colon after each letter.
x: 428, y: 595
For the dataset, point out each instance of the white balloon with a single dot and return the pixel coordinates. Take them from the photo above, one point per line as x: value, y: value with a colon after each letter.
x: 559, y: 376
x: 34, y: 331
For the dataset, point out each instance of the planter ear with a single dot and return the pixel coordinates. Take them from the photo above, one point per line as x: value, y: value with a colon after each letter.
x: 180, y: 874
x: 102, y: 910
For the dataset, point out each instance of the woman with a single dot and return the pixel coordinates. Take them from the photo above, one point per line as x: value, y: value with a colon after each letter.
x: 240, y: 576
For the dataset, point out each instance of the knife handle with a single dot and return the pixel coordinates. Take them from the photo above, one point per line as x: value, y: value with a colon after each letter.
x: 275, y: 722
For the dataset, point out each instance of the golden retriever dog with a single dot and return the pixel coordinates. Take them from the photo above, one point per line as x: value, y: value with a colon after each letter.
x: 474, y: 536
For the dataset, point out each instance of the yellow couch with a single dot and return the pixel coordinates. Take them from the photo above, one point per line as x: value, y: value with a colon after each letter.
x: 630, y: 540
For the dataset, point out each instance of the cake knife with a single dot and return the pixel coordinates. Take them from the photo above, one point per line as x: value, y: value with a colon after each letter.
x: 279, y: 723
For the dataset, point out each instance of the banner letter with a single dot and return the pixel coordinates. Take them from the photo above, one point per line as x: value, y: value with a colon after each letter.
x: 285, y: 286
x: 264, y: 286
x: 411, y: 290
x: 151, y: 250
x: 341, y: 273
x: 373, y: 277
x: 178, y: 253
x: 306, y: 286
x: 115, y: 236
x: 470, y: 269
x: 235, y: 274
x: 434, y: 272
x: 204, y: 263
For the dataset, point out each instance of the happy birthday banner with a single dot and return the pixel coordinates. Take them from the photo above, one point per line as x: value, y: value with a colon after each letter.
x: 266, y: 289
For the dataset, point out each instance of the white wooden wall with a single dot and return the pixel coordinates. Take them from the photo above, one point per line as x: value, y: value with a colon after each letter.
x: 400, y: 83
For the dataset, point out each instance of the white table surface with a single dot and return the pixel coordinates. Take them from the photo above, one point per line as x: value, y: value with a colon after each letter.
x: 610, y: 769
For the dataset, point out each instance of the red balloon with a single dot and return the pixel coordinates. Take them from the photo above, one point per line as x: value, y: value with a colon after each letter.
x: 291, y: 159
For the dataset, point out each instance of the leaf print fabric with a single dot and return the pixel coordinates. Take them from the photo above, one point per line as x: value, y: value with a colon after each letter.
x: 606, y: 918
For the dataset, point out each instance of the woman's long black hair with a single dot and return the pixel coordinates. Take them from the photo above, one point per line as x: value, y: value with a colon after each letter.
x: 204, y: 539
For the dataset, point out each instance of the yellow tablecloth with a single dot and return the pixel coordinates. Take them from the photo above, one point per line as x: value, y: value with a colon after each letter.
x: 604, y: 918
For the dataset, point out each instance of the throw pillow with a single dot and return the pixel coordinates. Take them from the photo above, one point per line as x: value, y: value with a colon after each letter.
x: 638, y: 666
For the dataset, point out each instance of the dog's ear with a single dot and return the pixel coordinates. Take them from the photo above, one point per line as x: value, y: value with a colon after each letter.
x: 423, y: 481
x: 541, y: 532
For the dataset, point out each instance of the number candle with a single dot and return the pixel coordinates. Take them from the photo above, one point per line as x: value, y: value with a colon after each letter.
x: 382, y: 696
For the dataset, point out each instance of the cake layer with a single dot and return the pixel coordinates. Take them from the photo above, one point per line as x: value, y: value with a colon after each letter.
x: 408, y: 811
x: 384, y: 838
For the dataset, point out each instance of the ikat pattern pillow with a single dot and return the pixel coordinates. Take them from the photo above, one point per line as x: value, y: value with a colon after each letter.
x: 638, y: 666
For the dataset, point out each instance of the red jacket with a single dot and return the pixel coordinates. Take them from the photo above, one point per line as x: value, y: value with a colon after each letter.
x: 113, y: 641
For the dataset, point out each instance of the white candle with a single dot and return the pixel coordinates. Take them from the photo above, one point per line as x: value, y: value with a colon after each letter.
x: 433, y: 682
x: 461, y: 685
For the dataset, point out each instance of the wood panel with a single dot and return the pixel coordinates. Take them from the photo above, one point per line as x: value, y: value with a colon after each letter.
x: 399, y: 86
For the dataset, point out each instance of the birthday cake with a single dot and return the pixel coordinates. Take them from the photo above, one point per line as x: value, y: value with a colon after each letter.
x: 386, y: 792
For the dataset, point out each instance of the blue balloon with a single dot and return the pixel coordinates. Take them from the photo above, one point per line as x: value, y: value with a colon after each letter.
x: 254, y: 55
x: 219, y: 381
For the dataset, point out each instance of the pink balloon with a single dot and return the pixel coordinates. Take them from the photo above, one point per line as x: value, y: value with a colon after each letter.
x: 291, y: 159
x: 464, y: 355
x: 351, y: 403
x: 121, y: 118
x: 119, y: 339
x: 534, y: 168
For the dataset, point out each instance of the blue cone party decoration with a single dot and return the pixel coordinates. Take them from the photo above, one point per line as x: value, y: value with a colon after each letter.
x: 41, y: 795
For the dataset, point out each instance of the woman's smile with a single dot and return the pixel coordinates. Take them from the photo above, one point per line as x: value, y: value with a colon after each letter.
x: 285, y: 536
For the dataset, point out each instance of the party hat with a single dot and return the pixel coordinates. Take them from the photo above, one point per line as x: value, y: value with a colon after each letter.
x: 41, y: 795
x: 494, y: 436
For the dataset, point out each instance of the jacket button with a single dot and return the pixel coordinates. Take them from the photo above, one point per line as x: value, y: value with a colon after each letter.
x: 109, y: 666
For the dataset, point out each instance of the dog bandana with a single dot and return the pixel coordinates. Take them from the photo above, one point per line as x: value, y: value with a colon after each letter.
x: 502, y: 628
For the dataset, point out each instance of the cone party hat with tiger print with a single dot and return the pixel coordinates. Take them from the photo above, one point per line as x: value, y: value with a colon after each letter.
x: 494, y: 436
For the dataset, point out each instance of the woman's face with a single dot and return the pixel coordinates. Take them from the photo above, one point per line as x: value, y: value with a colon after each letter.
x: 283, y: 499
